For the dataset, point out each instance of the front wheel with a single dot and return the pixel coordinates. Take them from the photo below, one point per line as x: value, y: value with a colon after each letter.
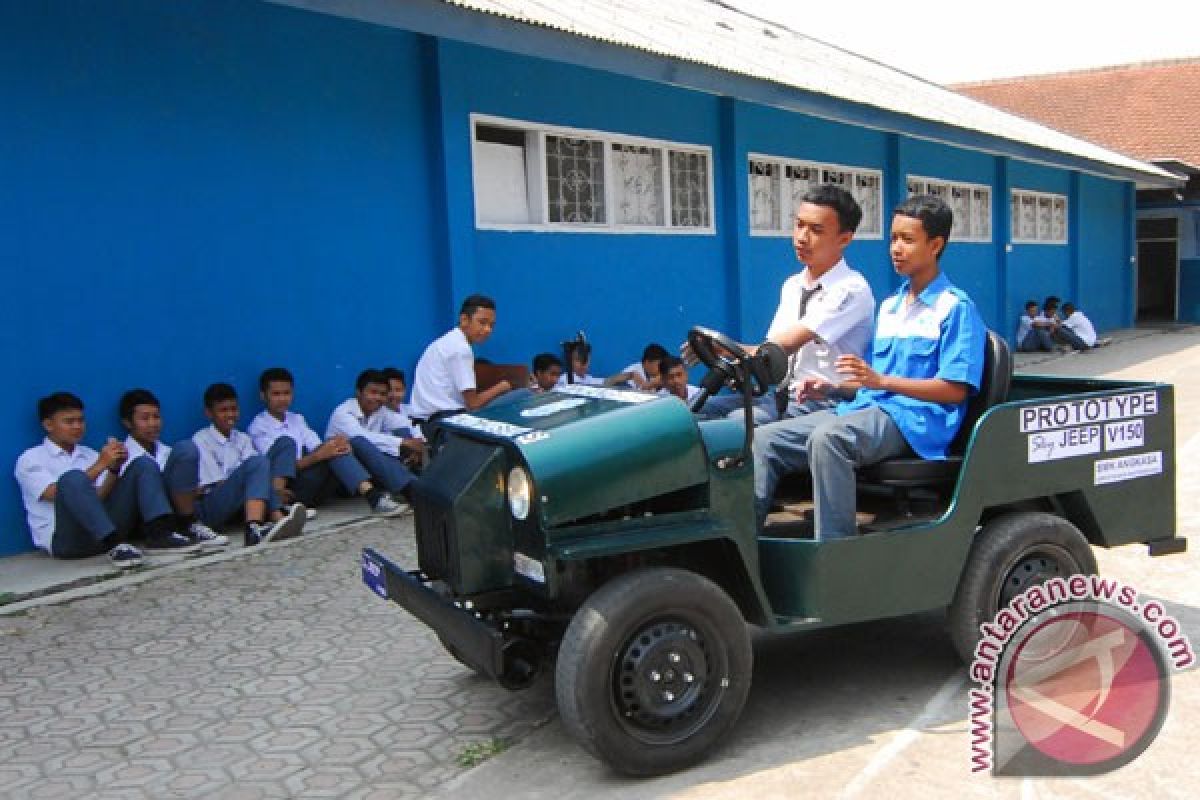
x: 653, y: 670
x: 1012, y: 553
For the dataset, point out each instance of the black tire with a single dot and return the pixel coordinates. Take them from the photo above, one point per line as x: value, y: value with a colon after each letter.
x: 653, y: 670
x: 1012, y: 553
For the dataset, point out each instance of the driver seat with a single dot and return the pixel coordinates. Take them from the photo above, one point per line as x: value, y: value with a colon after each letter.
x: 902, y: 475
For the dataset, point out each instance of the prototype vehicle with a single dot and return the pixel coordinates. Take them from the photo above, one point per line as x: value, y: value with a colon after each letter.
x: 607, y: 533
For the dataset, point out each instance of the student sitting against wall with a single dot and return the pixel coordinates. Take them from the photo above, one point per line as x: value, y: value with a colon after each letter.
x: 547, y: 369
x: 231, y: 477
x: 581, y: 364
x: 646, y: 374
x: 319, y: 468
x: 401, y: 423
x: 675, y: 380
x: 79, y: 505
x: 141, y: 415
x: 1033, y: 331
x: 363, y: 421
x: 1078, y: 330
x: 444, y: 381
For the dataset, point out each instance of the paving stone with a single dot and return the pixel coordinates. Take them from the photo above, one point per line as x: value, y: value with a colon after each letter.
x: 272, y: 675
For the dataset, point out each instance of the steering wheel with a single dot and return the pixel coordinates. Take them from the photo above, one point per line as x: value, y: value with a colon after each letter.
x: 739, y: 367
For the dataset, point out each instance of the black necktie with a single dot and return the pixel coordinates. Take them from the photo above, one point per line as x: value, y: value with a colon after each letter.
x: 782, y: 391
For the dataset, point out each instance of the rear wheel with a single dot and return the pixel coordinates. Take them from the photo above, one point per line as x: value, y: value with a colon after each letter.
x: 1013, y: 553
x: 653, y: 670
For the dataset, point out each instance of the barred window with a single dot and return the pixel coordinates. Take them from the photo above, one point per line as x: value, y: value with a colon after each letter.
x: 539, y: 176
x: 1038, y: 217
x: 777, y: 186
x: 971, y: 204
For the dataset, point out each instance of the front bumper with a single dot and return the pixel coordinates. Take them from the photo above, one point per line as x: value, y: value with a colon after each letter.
x: 469, y: 638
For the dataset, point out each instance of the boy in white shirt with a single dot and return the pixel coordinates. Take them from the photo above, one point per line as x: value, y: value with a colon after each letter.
x: 232, y: 477
x: 444, y: 382
x: 364, y: 421
x: 1034, y: 331
x: 1078, y: 330
x: 645, y: 374
x: 675, y: 380
x: 319, y: 468
x: 141, y: 414
x: 547, y: 369
x: 78, y: 505
x: 401, y: 422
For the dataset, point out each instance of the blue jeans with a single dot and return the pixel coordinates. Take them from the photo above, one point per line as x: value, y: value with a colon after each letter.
x: 1037, y: 340
x: 387, y: 472
x: 318, y: 482
x: 82, y: 521
x: 250, y: 481
x: 1070, y: 337
x: 830, y: 446
x: 729, y: 406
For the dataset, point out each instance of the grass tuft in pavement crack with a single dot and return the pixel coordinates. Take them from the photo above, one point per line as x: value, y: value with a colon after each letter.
x: 476, y: 753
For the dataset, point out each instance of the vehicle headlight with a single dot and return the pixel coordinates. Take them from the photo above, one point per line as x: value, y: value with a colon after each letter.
x: 519, y: 490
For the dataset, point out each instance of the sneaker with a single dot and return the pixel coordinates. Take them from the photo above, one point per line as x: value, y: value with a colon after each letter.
x: 402, y: 501
x: 206, y: 537
x: 125, y: 556
x: 1105, y: 342
x: 309, y: 513
x: 291, y: 524
x: 170, y: 542
x: 386, y: 506
x: 255, y: 534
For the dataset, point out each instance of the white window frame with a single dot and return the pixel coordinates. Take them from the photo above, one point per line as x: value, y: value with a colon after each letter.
x: 786, y: 214
x: 1036, y: 195
x: 950, y: 186
x: 539, y: 201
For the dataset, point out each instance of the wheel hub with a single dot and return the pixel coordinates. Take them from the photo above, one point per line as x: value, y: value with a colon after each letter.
x: 1032, y: 570
x: 662, y: 675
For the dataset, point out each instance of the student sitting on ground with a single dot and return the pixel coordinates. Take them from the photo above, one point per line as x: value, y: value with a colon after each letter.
x: 645, y: 374
x: 76, y: 504
x: 675, y: 380
x: 581, y: 363
x: 1033, y: 331
x: 141, y: 414
x: 319, y: 468
x: 444, y: 382
x: 363, y: 421
x: 547, y: 369
x: 231, y: 477
x: 1078, y: 330
x: 401, y: 423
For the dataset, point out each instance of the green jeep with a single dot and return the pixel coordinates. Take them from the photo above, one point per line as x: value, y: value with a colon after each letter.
x: 607, y: 533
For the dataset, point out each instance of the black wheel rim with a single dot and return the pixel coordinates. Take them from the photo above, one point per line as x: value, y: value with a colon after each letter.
x: 1033, y: 567
x: 668, y: 679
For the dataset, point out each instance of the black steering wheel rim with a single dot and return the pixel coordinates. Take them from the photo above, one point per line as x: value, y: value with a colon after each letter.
x: 738, y: 368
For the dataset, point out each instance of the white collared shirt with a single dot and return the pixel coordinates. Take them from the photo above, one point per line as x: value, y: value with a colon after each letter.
x: 219, y: 456
x: 581, y: 380
x: 445, y: 371
x: 398, y: 422
x: 692, y: 392
x: 40, y: 467
x: 1082, y: 326
x: 135, y: 450
x: 265, y: 429
x: 349, y: 420
x: 841, y: 313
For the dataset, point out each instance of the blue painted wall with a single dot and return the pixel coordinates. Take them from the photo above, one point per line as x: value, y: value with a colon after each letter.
x: 195, y: 190
x: 198, y: 189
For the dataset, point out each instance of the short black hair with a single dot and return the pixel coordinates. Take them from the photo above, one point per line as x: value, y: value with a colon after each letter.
x: 51, y: 404
x: 1068, y: 307
x: 218, y: 393
x: 583, y: 350
x: 1051, y: 302
x: 476, y: 302
x: 935, y: 214
x: 394, y: 374
x: 369, y: 376
x: 134, y: 398
x: 1029, y: 303
x: 274, y: 374
x: 544, y: 361
x: 669, y: 363
x: 654, y: 352
x: 849, y: 213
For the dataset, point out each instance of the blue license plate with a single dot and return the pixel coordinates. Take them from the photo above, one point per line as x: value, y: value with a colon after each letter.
x: 373, y: 575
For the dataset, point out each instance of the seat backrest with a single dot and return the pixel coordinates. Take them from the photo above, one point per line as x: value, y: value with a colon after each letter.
x: 993, y: 388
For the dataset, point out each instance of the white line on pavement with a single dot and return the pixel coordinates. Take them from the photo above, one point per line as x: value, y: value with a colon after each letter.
x: 951, y: 689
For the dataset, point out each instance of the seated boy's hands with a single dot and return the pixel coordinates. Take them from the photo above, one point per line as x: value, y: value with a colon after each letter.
x: 858, y: 373
x: 332, y: 448
x: 813, y: 389
x: 113, y: 454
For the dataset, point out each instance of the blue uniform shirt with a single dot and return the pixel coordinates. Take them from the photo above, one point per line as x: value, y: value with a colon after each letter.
x: 941, y: 335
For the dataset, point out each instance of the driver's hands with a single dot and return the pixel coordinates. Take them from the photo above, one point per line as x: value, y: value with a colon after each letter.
x: 813, y: 389
x: 858, y: 373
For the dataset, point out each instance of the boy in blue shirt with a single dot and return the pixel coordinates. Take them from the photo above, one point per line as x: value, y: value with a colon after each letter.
x: 927, y: 358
